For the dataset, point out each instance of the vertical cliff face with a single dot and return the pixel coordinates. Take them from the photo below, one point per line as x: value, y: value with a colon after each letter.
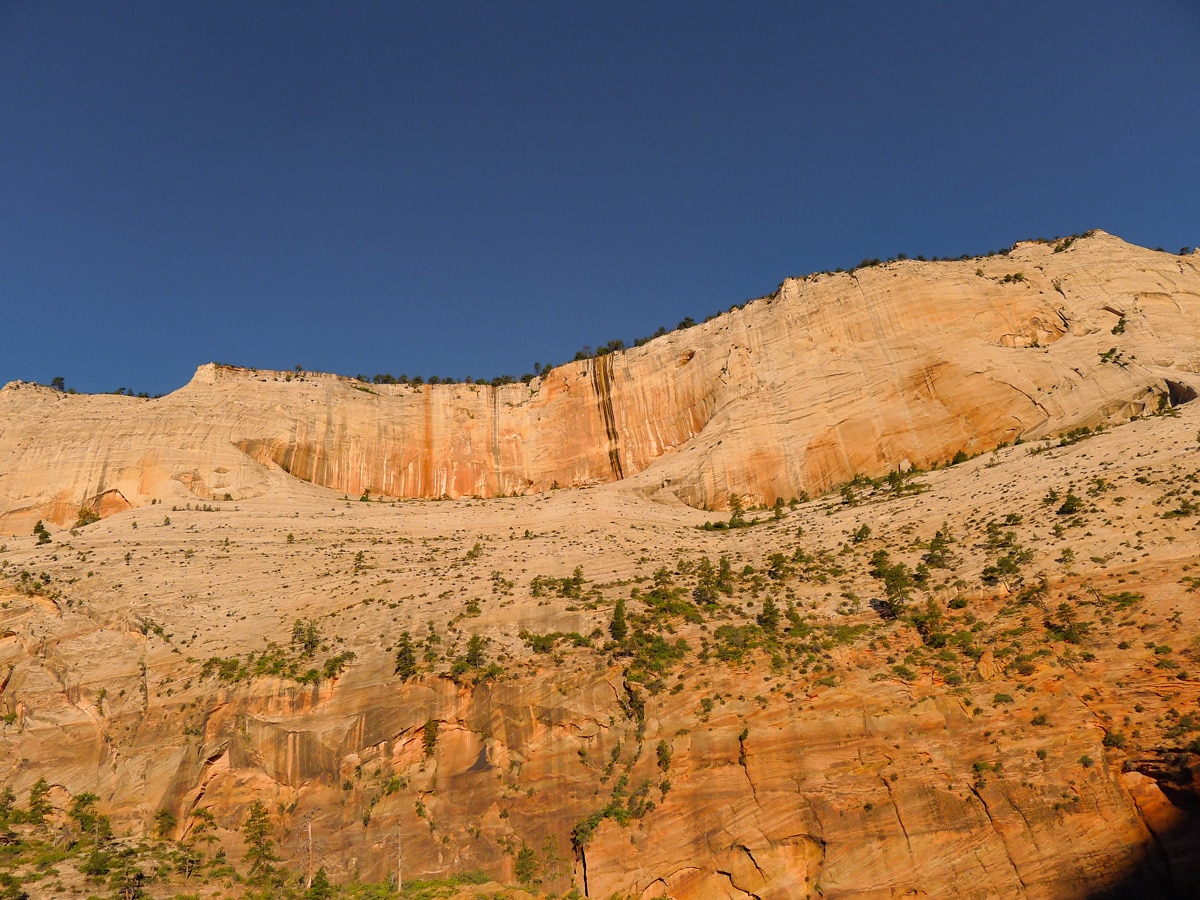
x: 1018, y: 720
x: 831, y: 376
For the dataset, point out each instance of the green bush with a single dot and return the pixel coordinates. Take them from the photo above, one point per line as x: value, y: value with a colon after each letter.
x: 526, y: 866
x: 663, y: 752
x: 429, y: 737
x: 1114, y: 740
x: 1070, y: 506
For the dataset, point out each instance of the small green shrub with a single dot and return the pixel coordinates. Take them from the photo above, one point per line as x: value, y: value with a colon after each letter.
x: 1114, y: 740
x: 1070, y: 506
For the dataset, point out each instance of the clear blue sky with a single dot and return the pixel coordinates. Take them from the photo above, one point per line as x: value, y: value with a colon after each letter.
x: 463, y: 189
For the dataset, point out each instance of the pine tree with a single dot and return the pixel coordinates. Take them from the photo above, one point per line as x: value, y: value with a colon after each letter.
x: 705, y: 591
x: 320, y: 889
x: 526, y: 866
x: 736, y: 512
x: 406, y: 657
x: 8, y: 806
x: 725, y: 576
x: 83, y: 811
x: 475, y: 651
x: 617, y: 627
x: 127, y: 880
x: 39, y: 804
x: 429, y: 736
x: 769, y: 617
x: 260, y: 848
x: 164, y: 824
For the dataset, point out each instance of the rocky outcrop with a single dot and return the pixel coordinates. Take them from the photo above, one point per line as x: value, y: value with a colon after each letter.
x: 831, y: 376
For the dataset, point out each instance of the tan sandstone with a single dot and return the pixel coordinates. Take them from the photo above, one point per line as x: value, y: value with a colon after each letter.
x: 863, y: 770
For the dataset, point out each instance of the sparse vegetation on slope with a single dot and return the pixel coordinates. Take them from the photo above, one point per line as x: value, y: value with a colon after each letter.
x: 293, y: 693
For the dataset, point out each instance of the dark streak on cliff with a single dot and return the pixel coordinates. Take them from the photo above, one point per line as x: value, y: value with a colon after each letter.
x: 602, y: 375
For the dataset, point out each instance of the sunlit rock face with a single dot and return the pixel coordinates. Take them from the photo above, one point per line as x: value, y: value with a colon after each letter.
x: 157, y: 657
x: 833, y: 375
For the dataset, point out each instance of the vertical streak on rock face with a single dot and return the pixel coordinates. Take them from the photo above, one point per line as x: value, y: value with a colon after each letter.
x: 602, y: 373
x: 427, y: 461
x: 496, y: 472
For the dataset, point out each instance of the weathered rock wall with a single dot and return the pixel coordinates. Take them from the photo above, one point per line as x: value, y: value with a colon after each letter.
x: 865, y: 791
x: 848, y: 758
x: 831, y: 376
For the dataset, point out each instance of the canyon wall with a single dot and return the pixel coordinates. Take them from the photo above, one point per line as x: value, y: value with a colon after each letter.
x: 848, y: 756
x: 908, y: 362
x: 1038, y: 739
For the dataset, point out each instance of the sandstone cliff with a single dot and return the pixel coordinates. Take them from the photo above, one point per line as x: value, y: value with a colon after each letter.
x: 1020, y: 720
x: 843, y: 757
x: 833, y: 375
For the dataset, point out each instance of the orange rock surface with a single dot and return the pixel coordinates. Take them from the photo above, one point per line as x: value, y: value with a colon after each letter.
x: 831, y: 376
x: 1035, y: 741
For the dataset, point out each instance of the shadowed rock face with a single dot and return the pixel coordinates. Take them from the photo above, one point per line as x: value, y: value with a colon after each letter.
x: 1030, y: 751
x: 831, y: 376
